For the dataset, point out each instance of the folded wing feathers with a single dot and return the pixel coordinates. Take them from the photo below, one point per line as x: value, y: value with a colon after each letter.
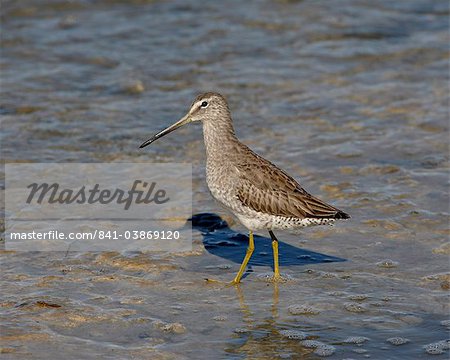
x: 266, y: 188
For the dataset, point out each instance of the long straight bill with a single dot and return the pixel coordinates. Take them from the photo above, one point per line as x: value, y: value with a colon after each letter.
x: 166, y: 131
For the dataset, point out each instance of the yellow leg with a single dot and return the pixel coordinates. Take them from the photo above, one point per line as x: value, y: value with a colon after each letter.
x: 248, y: 254
x: 275, y: 259
x: 276, y: 267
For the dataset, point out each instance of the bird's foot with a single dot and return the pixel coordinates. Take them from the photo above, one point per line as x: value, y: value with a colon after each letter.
x: 220, y: 282
x: 234, y: 282
x: 213, y: 281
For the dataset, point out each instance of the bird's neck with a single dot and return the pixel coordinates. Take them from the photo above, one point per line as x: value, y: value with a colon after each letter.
x: 219, y: 136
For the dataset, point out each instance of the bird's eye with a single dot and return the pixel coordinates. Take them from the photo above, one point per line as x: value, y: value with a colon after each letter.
x: 204, y: 104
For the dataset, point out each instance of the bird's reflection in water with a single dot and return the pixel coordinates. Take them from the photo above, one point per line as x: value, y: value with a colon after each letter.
x: 261, y: 338
x: 246, y: 310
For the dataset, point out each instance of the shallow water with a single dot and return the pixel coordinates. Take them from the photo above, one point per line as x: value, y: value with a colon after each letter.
x: 350, y: 98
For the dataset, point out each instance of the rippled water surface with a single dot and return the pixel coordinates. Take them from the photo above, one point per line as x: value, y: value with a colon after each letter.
x: 350, y: 97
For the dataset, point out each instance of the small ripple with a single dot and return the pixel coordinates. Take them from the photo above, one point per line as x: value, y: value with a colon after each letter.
x: 299, y: 309
x: 321, y: 349
x: 397, y: 340
x: 269, y: 277
x: 241, y: 330
x: 358, y: 297
x: 311, y: 344
x: 293, y: 334
x: 360, y: 351
x: 437, y: 348
x: 446, y: 323
x: 325, y: 350
x: 356, y: 340
x: 355, y: 307
x: 388, y: 264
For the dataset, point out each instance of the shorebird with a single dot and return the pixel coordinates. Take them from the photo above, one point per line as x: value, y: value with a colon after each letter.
x: 257, y: 192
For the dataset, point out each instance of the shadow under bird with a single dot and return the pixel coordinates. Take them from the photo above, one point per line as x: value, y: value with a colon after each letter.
x: 258, y: 193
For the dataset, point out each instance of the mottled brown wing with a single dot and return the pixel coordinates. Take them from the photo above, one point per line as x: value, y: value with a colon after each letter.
x: 265, y: 188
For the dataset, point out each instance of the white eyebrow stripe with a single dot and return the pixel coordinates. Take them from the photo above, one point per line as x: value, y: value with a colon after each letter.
x: 199, y: 103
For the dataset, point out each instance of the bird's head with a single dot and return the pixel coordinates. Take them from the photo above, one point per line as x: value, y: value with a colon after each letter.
x: 206, y: 107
